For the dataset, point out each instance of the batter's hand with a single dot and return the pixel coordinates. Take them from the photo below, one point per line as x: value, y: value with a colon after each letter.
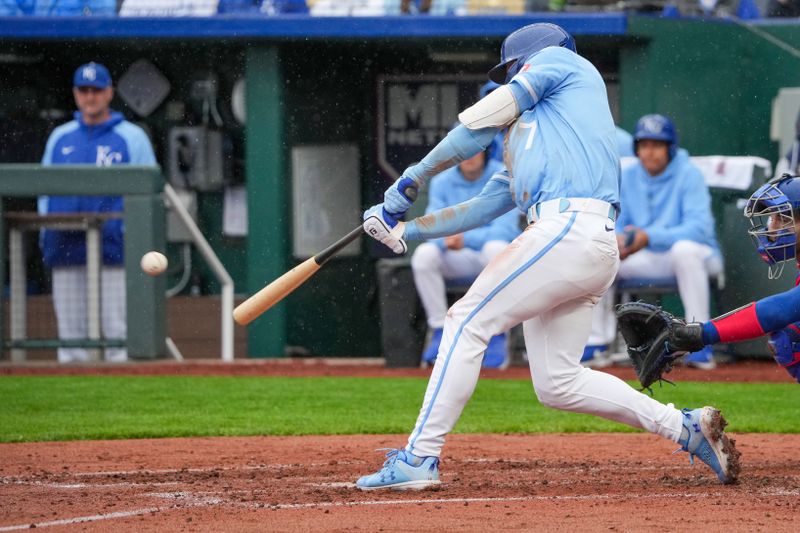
x: 454, y: 242
x: 387, y: 230
x: 400, y: 197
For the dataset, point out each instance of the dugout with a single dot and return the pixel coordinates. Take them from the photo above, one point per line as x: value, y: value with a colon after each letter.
x: 313, y: 81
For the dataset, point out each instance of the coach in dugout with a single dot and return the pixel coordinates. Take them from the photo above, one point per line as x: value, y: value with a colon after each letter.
x: 97, y: 136
x: 665, y: 229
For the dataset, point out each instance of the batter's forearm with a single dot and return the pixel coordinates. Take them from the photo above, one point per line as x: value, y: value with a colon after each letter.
x: 460, y: 144
x: 492, y: 202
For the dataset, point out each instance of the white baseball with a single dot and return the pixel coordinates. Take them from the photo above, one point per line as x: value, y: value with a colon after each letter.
x: 154, y: 263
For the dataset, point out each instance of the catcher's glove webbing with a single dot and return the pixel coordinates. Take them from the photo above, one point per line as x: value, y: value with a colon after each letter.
x: 655, y: 339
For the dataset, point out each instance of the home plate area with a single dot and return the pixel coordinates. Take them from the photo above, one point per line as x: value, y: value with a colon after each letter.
x: 545, y: 482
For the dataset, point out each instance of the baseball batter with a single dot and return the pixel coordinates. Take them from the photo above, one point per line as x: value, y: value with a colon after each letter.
x: 563, y: 172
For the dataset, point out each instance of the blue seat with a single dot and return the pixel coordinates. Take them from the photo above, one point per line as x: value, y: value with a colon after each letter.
x: 634, y: 288
x: 628, y: 288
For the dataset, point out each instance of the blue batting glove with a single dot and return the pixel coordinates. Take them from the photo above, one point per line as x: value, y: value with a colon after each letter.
x: 400, y: 197
x: 380, y: 212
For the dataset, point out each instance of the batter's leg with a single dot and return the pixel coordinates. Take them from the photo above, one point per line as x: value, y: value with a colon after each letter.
x: 555, y: 341
x: 537, y: 271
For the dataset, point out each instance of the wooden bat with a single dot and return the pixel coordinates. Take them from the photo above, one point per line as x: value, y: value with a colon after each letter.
x: 276, y: 291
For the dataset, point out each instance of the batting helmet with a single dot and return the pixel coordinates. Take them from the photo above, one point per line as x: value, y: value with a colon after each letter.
x: 771, y: 211
x: 524, y: 42
x: 656, y: 128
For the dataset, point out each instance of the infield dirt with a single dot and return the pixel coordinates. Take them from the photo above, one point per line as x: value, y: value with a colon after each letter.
x: 578, y: 482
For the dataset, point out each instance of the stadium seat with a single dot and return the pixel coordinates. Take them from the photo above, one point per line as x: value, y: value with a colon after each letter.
x: 268, y: 7
x: 475, y: 7
x: 284, y: 6
x: 62, y: 8
x: 631, y: 288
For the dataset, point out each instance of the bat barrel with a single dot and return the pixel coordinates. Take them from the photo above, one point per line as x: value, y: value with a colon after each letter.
x: 276, y: 291
x: 273, y: 293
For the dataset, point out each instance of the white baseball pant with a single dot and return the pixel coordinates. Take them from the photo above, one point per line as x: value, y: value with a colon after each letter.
x: 548, y: 278
x: 432, y: 266
x: 69, y: 300
x: 690, y: 262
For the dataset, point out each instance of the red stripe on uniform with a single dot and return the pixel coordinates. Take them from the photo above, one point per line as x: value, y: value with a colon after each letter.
x: 739, y: 325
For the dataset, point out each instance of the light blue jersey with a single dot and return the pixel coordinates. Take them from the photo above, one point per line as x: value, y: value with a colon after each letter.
x: 562, y: 145
x: 564, y: 142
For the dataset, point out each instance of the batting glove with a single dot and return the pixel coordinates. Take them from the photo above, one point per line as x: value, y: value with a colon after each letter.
x: 400, y: 197
x: 387, y: 230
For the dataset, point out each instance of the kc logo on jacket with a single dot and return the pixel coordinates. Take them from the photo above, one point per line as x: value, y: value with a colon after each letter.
x: 106, y: 158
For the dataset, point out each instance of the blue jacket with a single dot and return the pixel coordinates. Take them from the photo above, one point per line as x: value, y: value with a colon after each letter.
x: 450, y: 188
x: 113, y: 142
x: 674, y: 205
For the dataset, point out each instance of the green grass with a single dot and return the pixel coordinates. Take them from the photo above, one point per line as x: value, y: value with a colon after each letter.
x: 103, y: 407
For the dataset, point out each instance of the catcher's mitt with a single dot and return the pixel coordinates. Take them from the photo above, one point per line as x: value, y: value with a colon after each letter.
x: 646, y: 329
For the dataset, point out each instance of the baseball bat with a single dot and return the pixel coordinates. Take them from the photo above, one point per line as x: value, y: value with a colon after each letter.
x: 276, y: 291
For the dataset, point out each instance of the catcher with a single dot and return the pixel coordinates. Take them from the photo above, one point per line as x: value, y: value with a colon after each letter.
x: 656, y: 339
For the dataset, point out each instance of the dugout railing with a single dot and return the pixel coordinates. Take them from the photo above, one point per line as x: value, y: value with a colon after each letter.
x: 144, y: 191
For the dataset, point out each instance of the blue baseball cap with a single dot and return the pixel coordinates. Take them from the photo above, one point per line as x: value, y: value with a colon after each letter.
x: 92, y: 75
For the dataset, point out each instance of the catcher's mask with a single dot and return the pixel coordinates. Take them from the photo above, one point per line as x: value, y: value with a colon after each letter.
x: 771, y: 211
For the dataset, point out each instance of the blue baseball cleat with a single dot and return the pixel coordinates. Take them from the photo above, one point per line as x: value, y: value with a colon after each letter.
x: 403, y: 471
x: 703, y: 436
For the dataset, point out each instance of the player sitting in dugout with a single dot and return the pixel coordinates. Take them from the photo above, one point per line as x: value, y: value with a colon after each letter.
x: 774, y: 213
x: 461, y: 256
x: 665, y: 229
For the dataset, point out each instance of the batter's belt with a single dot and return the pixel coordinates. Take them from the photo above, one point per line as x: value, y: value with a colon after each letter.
x: 551, y: 208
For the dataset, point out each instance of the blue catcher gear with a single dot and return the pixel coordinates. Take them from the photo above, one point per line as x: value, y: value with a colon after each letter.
x: 771, y: 211
x: 656, y: 128
x: 525, y: 42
